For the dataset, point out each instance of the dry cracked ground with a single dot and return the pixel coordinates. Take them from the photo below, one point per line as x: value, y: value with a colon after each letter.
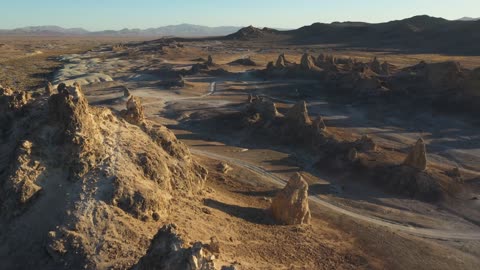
x: 173, y: 155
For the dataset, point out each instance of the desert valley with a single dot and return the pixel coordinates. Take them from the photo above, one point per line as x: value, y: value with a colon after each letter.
x: 332, y: 146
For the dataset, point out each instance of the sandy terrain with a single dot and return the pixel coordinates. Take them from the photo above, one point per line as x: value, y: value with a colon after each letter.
x: 355, y: 224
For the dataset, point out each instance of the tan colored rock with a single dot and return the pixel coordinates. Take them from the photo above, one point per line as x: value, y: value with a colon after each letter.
x: 166, y: 252
x: 290, y: 205
x: 134, y: 113
x: 417, y: 158
x: 49, y: 89
x: 224, y: 167
x: 299, y: 114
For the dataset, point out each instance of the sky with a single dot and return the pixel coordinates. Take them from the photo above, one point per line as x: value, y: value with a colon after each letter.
x: 117, y: 14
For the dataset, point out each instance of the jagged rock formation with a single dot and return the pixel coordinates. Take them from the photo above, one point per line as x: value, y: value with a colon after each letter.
x: 91, y: 177
x: 49, y: 89
x: 250, y: 32
x: 290, y: 205
x: 126, y: 92
x: 376, y: 66
x: 307, y: 63
x: 298, y: 114
x: 319, y: 125
x: 210, y: 61
x: 417, y: 157
x: 265, y: 108
x: 166, y: 252
x: 281, y: 61
x: 134, y: 113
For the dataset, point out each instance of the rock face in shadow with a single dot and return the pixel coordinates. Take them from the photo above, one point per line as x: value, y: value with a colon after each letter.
x: 417, y: 157
x: 307, y: 63
x: 290, y: 205
x: 49, y: 89
x: 298, y: 114
x: 281, y: 61
x: 265, y: 108
x: 166, y: 252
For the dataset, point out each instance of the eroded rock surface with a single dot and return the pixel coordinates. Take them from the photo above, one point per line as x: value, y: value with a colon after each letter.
x: 417, y: 157
x: 290, y: 205
x: 166, y: 252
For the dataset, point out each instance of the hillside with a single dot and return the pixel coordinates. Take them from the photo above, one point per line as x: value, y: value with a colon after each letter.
x: 420, y: 34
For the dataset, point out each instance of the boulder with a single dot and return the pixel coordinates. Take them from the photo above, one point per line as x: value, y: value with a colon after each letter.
x: 298, y: 114
x: 290, y: 205
x: 376, y: 66
x: 417, y: 158
x: 224, y: 167
x: 365, y: 143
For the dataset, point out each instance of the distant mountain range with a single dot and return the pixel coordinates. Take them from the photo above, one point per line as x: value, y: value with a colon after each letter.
x: 181, y: 30
x: 468, y: 19
x: 419, y: 33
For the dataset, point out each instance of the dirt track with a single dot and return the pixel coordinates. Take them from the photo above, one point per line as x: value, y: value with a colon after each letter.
x: 429, y: 233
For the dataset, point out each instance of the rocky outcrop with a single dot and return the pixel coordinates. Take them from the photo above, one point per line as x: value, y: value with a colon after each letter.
x: 298, y: 114
x: 265, y: 108
x: 21, y: 186
x: 210, y: 62
x: 281, y: 61
x: 375, y: 66
x: 307, y: 63
x: 49, y: 89
x: 290, y: 205
x: 417, y: 157
x: 89, y: 178
x: 134, y: 113
x: 166, y: 252
x: 69, y: 111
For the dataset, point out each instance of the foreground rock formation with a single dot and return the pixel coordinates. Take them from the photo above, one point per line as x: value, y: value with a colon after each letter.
x: 290, y: 205
x: 92, y: 178
x: 417, y: 157
x: 167, y: 252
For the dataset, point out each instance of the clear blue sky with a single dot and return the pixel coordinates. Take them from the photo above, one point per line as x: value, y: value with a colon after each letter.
x: 117, y: 14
